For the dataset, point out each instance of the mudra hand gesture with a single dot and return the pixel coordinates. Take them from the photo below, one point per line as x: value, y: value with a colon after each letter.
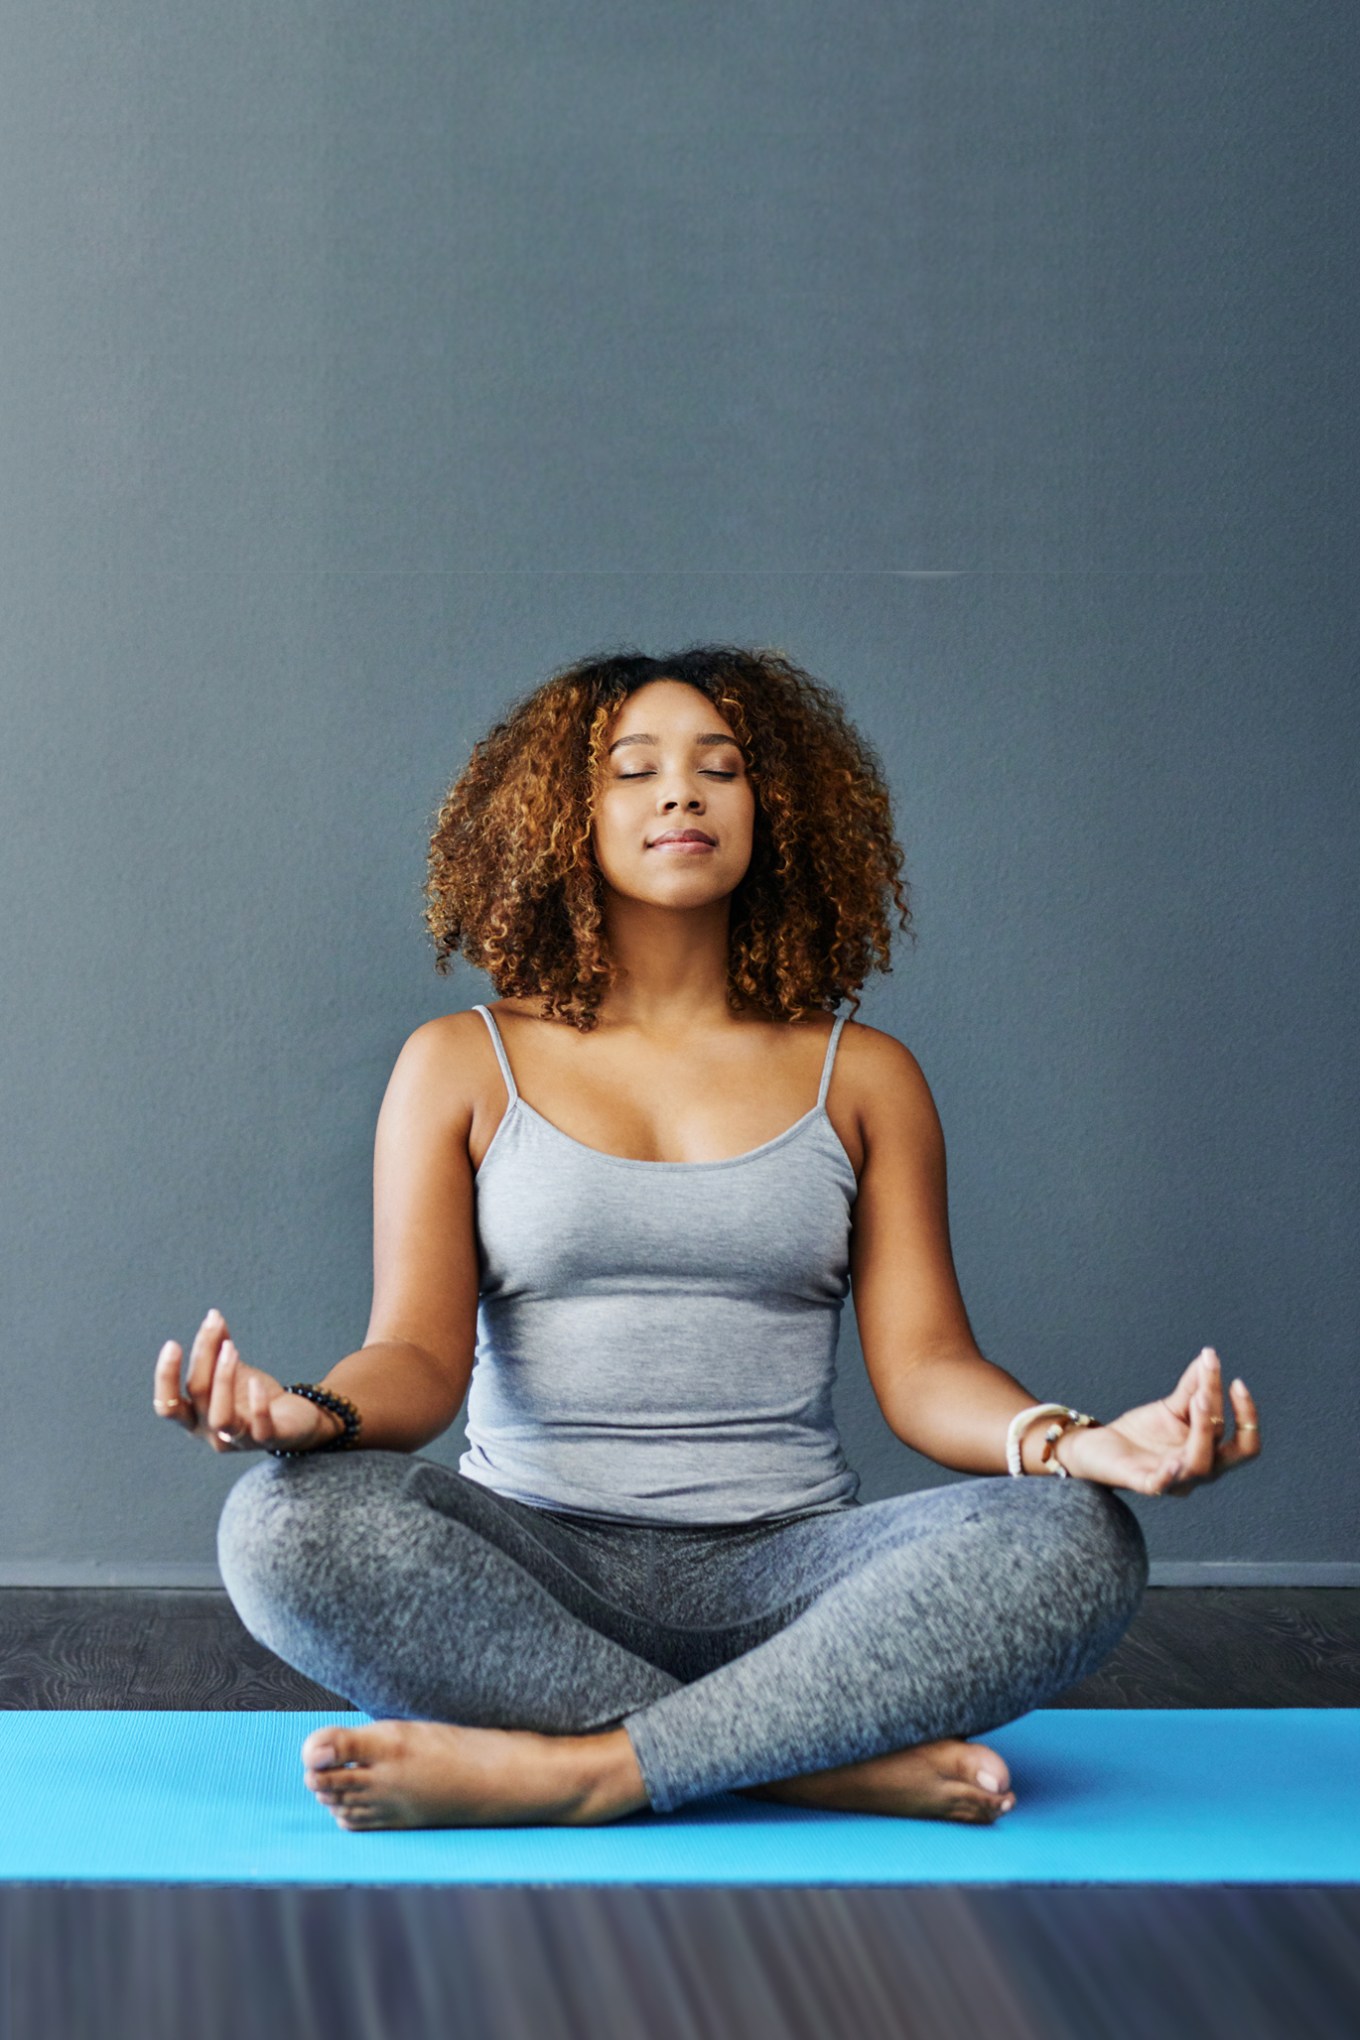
x: 1170, y: 1446
x: 231, y: 1405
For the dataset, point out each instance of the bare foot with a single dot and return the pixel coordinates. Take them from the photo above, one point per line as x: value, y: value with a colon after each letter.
x: 419, y: 1774
x: 929, y: 1781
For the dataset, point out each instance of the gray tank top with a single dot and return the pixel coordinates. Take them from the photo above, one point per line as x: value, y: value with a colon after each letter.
x: 656, y: 1341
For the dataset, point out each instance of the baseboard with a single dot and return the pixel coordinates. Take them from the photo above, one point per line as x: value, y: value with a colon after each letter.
x: 98, y: 1572
x: 1251, y: 1572
x: 1165, y: 1572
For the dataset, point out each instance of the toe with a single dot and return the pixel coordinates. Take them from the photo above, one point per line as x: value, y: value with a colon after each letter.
x: 971, y: 1804
x: 327, y: 1747
x: 355, y: 1819
x: 354, y: 1791
x: 983, y: 1767
x: 339, y: 1785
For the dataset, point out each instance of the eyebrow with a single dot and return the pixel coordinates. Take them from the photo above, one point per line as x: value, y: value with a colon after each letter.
x: 645, y: 737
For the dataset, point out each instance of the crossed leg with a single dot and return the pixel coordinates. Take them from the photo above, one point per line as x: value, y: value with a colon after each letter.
x: 917, y: 1622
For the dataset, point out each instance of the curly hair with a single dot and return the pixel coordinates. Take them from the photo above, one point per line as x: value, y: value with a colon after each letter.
x: 514, y: 886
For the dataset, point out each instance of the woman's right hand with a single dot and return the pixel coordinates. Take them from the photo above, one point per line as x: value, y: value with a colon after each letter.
x: 233, y: 1406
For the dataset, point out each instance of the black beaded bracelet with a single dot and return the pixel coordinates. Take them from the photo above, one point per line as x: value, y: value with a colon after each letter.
x: 326, y: 1399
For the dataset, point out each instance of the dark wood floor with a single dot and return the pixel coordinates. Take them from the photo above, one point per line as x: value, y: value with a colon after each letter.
x: 580, y: 1963
x: 185, y: 1647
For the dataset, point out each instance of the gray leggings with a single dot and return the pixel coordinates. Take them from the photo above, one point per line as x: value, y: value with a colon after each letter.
x: 732, y: 1654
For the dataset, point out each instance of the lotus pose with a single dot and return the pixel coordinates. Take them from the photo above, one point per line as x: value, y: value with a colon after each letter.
x: 620, y: 1209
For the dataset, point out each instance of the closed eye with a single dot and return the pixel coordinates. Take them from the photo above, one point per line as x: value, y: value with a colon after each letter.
x: 711, y: 774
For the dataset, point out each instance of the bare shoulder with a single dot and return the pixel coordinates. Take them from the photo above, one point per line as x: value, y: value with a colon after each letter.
x: 445, y: 1037
x: 889, y: 1086
x: 444, y: 1064
x: 449, y: 1032
x: 878, y: 1058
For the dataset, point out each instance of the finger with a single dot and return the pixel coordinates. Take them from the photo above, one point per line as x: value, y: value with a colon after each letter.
x: 1197, y: 1459
x: 259, y: 1412
x: 1245, y: 1442
x: 1176, y: 1478
x: 1247, y: 1419
x: 223, y: 1421
x: 167, y: 1399
x: 1212, y: 1380
x: 1134, y: 1466
x: 1197, y: 1454
x: 203, y: 1361
x: 1178, y: 1402
x: 1165, y: 1477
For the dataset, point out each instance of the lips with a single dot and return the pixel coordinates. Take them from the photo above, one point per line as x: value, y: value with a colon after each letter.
x: 681, y: 836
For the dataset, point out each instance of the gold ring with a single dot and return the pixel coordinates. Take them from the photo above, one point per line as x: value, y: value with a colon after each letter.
x: 163, y: 1409
x: 1215, y: 1420
x: 1249, y: 1427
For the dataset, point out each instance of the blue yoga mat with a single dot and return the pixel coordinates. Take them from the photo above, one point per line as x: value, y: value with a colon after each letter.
x: 1106, y: 1796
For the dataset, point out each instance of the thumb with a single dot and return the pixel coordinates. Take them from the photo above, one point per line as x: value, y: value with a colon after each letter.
x: 298, y: 1421
x: 278, y: 1417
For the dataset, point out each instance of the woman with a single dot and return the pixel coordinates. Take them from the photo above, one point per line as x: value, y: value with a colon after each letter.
x: 650, y: 1578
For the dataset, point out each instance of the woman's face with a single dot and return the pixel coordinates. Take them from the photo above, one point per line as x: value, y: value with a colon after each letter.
x: 673, y: 764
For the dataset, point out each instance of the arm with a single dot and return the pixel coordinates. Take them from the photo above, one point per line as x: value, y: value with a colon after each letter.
x: 410, y: 1376
x: 941, y: 1395
x: 937, y: 1391
x: 401, y: 1392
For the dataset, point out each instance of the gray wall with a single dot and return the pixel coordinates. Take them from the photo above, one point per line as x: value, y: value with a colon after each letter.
x: 362, y: 366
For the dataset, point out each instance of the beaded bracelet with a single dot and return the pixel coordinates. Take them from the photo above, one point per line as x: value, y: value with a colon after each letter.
x: 1021, y: 1421
x: 1075, y: 1421
x: 338, y: 1405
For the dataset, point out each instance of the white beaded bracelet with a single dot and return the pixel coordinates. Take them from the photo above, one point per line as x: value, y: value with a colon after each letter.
x: 1021, y: 1422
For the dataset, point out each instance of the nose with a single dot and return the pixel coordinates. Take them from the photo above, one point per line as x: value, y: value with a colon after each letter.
x: 668, y: 801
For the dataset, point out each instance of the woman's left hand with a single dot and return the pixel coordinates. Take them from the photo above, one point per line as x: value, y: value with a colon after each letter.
x: 1170, y: 1446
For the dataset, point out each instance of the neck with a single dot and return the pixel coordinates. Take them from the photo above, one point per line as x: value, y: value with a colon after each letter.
x: 672, y: 965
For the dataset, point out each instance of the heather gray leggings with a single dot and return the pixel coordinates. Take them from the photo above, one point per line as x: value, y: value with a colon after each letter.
x: 732, y: 1654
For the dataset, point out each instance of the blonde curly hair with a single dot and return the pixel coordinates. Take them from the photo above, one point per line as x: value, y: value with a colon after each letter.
x: 514, y: 887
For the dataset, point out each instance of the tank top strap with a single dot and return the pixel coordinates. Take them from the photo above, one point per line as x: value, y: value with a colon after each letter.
x: 501, y: 1057
x: 841, y: 1019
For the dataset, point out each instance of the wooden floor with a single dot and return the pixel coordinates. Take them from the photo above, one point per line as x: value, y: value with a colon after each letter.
x: 185, y: 1647
x: 655, y: 1963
